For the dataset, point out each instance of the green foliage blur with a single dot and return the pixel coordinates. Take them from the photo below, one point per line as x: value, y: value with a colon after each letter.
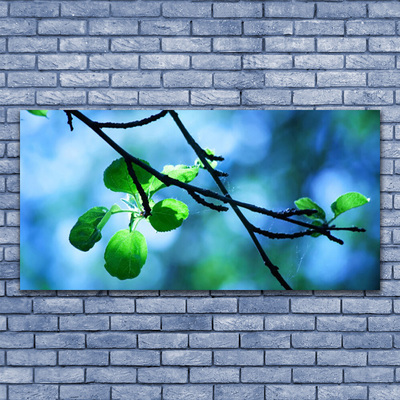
x: 273, y: 158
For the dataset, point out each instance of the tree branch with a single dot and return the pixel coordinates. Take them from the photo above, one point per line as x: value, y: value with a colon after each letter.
x: 132, y: 124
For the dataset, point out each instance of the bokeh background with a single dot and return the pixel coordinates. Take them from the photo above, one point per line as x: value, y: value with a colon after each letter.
x: 272, y: 157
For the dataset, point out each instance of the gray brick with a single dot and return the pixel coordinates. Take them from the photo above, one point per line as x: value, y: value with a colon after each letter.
x: 135, y: 357
x: 19, y: 26
x: 111, y: 340
x: 186, y: 357
x: 288, y: 10
x: 17, y: 61
x: 317, y: 96
x: 31, y: 45
x: 237, y: 45
x: 187, y: 323
x: 165, y: 27
x: 37, y: 392
x: 135, y: 322
x: 347, y: 392
x: 217, y: 27
x: 109, y: 305
x: 212, y: 305
x: 370, y: 61
x: 88, y: 45
x: 263, y: 305
x: 268, y: 27
x: 366, y: 306
x: 214, y: 97
x: 178, y: 392
x: 164, y: 61
x: 61, y: 61
x: 319, y: 61
x: 10, y: 271
x: 84, y: 323
x: 317, y: 375
x: 110, y: 375
x: 136, y: 392
x: 113, y: 61
x: 289, y: 44
x: 238, y: 323
x: 129, y: 9
x: 386, y: 323
x: 9, y: 236
x: 59, y: 375
x: 238, y: 357
x: 13, y: 184
x: 176, y: 97
x: 9, y: 200
x: 16, y: 340
x: 137, y: 79
x: 367, y: 341
x: 113, y: 26
x: 15, y: 305
x: 57, y: 306
x: 365, y: 27
x: 61, y: 27
x: 162, y: 375
x: 214, y: 340
x: 186, y: 79
x: 342, y: 78
x: 84, y: 79
x: 31, y: 357
x: 85, y: 9
x: 235, y: 392
x: 384, y: 357
x: 265, y: 340
x: 16, y: 375
x: 32, y: 322
x: 341, y: 323
x: 194, y: 45
x: 135, y: 44
x: 289, y: 357
x: 368, y: 374
x: 341, y: 45
x: 316, y: 27
x: 290, y: 392
x: 384, y: 10
x: 262, y: 375
x: 383, y: 79
x: 388, y: 44
x: 342, y: 358
x: 368, y: 97
x: 289, y: 79
x: 318, y: 340
x: 214, y: 375
x: 64, y: 97
x: 289, y: 323
x: 83, y: 357
x: 343, y: 11
x: 387, y: 201
x: 163, y: 340
x: 96, y: 391
x: 238, y: 10
x: 36, y: 9
x: 324, y: 306
x: 390, y: 150
x: 180, y: 9
x: 262, y: 96
x: 12, y: 151
x: 216, y: 62
x: 3, y: 9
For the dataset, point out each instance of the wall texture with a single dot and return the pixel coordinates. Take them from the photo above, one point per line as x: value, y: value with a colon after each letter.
x: 199, y: 345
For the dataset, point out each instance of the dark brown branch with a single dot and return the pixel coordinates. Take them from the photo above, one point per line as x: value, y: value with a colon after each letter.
x: 275, y: 235
x: 69, y: 120
x: 132, y: 124
x: 143, y: 195
x: 351, y: 229
x: 200, y: 200
x: 200, y: 153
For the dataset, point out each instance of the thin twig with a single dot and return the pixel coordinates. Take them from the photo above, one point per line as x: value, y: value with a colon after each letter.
x: 200, y: 200
x: 132, y: 124
x: 200, y: 153
x: 275, y: 235
x: 69, y: 120
x: 143, y: 195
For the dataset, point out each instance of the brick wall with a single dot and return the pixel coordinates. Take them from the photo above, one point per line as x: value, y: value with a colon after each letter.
x: 199, y: 345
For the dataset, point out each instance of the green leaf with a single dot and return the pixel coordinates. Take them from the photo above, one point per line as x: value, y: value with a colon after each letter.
x: 316, y: 223
x: 305, y: 203
x: 39, y: 113
x: 182, y: 173
x: 213, y: 164
x: 125, y: 255
x: 117, y: 178
x: 87, y: 231
x: 348, y: 201
x: 168, y: 214
x: 115, y: 208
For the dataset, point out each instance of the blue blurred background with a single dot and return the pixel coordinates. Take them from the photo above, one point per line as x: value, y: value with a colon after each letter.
x: 272, y: 157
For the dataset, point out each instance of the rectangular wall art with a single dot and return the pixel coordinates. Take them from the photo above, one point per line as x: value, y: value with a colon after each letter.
x: 200, y: 200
